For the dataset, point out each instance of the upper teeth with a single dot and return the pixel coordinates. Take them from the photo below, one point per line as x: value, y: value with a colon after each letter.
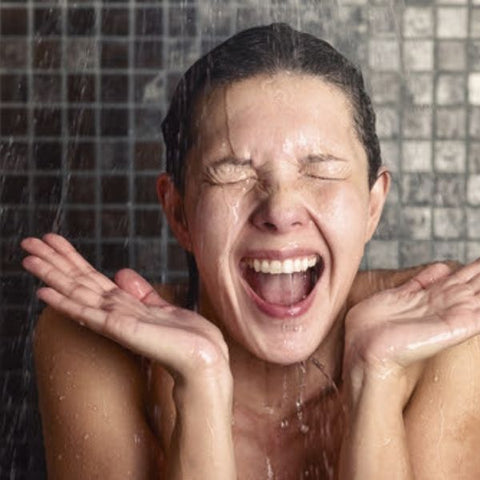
x: 290, y: 265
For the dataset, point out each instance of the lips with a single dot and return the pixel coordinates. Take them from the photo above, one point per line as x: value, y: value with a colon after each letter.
x: 282, y: 287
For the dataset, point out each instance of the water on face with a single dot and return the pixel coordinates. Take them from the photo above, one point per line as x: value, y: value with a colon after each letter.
x: 82, y: 93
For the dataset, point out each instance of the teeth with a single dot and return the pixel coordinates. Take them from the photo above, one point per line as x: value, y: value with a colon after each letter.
x: 290, y: 265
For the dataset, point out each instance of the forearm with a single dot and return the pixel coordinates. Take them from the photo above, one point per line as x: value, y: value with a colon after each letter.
x: 374, y: 446
x: 202, y: 445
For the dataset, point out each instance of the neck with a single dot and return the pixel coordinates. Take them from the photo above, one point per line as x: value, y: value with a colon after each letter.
x: 275, y: 391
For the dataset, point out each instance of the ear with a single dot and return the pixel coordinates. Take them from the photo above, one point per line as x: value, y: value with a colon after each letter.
x: 172, y: 203
x: 378, y: 195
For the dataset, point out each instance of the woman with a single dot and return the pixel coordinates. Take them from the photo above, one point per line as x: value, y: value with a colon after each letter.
x: 283, y: 370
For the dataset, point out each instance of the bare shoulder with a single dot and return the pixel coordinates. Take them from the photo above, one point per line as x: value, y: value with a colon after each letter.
x: 443, y: 417
x: 93, y: 402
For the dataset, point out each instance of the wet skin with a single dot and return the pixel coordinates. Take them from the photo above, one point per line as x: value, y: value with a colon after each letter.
x: 277, y: 171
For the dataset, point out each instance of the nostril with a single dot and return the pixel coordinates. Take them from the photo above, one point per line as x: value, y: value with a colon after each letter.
x: 270, y: 226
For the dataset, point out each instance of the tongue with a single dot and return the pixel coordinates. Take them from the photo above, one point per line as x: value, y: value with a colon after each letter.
x: 282, y: 289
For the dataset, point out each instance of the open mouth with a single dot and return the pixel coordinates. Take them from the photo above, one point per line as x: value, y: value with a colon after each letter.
x: 284, y: 283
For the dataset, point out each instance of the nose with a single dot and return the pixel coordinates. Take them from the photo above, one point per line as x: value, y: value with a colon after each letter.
x: 282, y: 211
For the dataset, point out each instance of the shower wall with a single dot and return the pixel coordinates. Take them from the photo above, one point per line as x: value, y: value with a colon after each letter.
x: 83, y: 88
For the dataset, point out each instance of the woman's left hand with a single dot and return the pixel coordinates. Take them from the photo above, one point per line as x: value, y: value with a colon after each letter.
x: 396, y: 328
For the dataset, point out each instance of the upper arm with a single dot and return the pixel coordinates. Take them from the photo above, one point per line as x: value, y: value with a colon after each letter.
x: 443, y: 417
x: 91, y: 404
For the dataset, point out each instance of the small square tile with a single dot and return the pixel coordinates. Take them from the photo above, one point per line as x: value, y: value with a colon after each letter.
x: 417, y: 22
x: 47, y: 88
x: 385, y: 87
x: 148, y: 223
x: 114, y: 189
x: 387, y: 122
x: 474, y: 88
x: 452, y: 22
x: 13, y: 121
x: 15, y: 189
x: 47, y: 54
x: 473, y: 222
x: 81, y: 21
x: 147, y: 121
x: 416, y: 223
x: 13, y: 53
x: 114, y: 88
x: 388, y: 227
x: 81, y: 122
x: 450, y: 123
x: 148, y: 155
x: 114, y: 122
x: 417, y: 156
x: 382, y: 21
x: 47, y: 21
x: 382, y: 254
x: 149, y: 88
x: 80, y: 223
x: 418, y: 55
x: 13, y: 88
x: 472, y: 251
x: 390, y: 154
x: 13, y: 21
x: 182, y: 21
x: 114, y: 256
x: 82, y: 54
x: 115, y: 156
x: 81, y: 155
x: 475, y: 22
x: 417, y: 188
x: 81, y: 88
x: 419, y: 89
x: 451, y: 55
x: 448, y: 223
x: 145, y: 189
x: 81, y: 190
x: 114, y: 54
x: 47, y: 155
x: 450, y: 156
x: 48, y: 189
x: 417, y: 122
x: 473, y: 190
x: 449, y: 190
x: 149, y: 54
x: 115, y: 223
x: 415, y: 252
x: 384, y: 55
x: 474, y: 120
x: 149, y: 21
x: 450, y: 89
x: 449, y: 251
x: 115, y: 21
x: 47, y: 121
x: 473, y: 52
x: 474, y: 157
x: 14, y: 156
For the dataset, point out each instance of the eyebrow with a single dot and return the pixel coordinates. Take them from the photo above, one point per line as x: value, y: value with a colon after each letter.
x: 323, y: 157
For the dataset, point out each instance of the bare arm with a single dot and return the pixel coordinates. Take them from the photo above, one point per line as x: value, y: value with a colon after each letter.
x: 188, y: 346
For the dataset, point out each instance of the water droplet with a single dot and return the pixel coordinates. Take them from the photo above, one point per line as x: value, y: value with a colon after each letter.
x: 284, y: 423
x: 61, y: 397
x: 304, y: 428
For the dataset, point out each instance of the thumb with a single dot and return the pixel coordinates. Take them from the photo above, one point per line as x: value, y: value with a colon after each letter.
x: 134, y: 284
x: 427, y: 276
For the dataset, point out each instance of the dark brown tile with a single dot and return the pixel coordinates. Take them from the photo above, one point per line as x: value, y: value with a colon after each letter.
x: 13, y: 121
x: 114, y: 54
x: 115, y: 156
x: 47, y: 155
x: 145, y: 189
x: 176, y: 257
x: 46, y: 54
x: 14, y: 156
x: 47, y: 21
x: 149, y: 21
x: 182, y: 21
x: 13, y: 53
x: 13, y: 88
x: 81, y: 88
x: 81, y: 189
x: 149, y: 54
x: 81, y: 21
x: 147, y: 123
x: 115, y: 21
x: 148, y: 155
x: 114, y: 122
x: 14, y: 221
x: 114, y: 223
x: 81, y: 122
x: 81, y: 155
x: 114, y: 256
x: 114, y: 88
x: 115, y: 189
x: 148, y: 223
x: 15, y: 189
x: 47, y: 122
x: 47, y: 88
x: 80, y: 223
x: 13, y: 21
x: 48, y: 189
x: 46, y: 218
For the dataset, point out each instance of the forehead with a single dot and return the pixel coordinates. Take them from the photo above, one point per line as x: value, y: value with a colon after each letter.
x: 288, y: 109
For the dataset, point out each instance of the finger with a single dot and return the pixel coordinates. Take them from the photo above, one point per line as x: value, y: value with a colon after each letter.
x: 426, y: 277
x: 134, y: 284
x: 67, y: 250
x: 467, y: 272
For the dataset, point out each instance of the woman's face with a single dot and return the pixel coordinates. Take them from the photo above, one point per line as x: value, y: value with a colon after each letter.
x: 278, y: 210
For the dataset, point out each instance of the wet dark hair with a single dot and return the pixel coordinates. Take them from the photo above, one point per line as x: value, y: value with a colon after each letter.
x: 263, y: 50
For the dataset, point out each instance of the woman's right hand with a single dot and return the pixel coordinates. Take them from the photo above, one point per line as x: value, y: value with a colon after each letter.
x: 190, y: 347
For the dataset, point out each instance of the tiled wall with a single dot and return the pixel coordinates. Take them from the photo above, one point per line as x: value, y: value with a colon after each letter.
x: 84, y: 85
